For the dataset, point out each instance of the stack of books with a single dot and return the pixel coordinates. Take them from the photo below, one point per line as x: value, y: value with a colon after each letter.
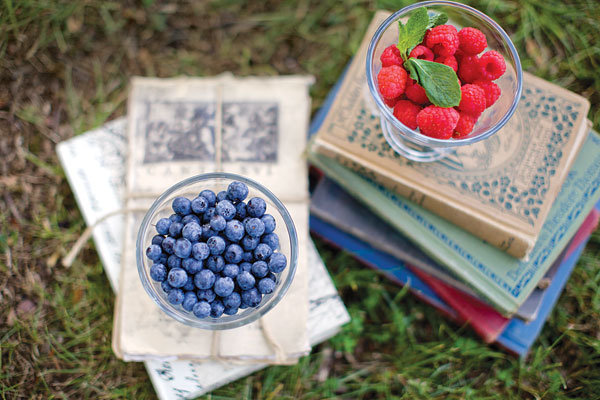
x: 490, y: 234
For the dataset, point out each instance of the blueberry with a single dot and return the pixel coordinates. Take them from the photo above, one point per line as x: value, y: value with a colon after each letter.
x: 162, y: 226
x: 206, y: 294
x: 158, y: 272
x: 256, y: 207
x: 182, y: 206
x: 175, y: 229
x: 222, y: 195
x: 189, y: 285
x: 247, y: 256
x: 168, y: 245
x: 209, y: 195
x: 157, y: 240
x: 251, y: 297
x: 272, y: 240
x: 186, y: 263
x: 269, y: 222
x: 207, y: 231
x: 233, y: 254
x: 204, y: 279
x: 201, y: 309
x: 260, y: 269
x: 163, y: 259
x: 234, y: 230
x: 245, y: 266
x: 218, y: 223
x: 277, y: 263
x: 216, y: 245
x: 254, y: 227
x: 153, y: 252
x: 190, y: 218
x: 192, y: 232
x: 240, y: 210
x: 249, y: 243
x: 175, y: 296
x: 230, y: 311
x: 216, y: 309
x: 194, y: 266
x: 189, y: 301
x: 226, y: 209
x: 177, y: 277
x: 200, y: 251
x: 175, y: 218
x: 223, y: 286
x: 183, y: 248
x: 215, y: 263
x: 262, y: 252
x: 199, y: 204
x: 211, y: 212
x: 231, y: 270
x: 237, y: 191
x: 166, y: 287
x: 271, y: 276
x: 233, y: 300
x: 266, y: 286
x: 245, y: 280
x: 173, y: 261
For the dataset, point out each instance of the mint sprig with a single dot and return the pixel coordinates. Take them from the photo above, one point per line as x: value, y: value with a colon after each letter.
x: 439, y: 81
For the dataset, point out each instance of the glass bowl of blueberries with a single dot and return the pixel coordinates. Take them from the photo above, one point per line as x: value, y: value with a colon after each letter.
x: 217, y: 251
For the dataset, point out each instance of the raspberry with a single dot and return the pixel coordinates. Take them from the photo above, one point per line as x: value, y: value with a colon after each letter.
x: 390, y: 56
x: 443, y: 40
x: 416, y: 93
x: 391, y: 102
x: 391, y: 81
x: 492, y: 65
x: 465, y: 125
x: 437, y: 122
x: 472, y: 41
x: 449, y: 61
x: 491, y: 90
x: 406, y: 112
x: 472, y: 100
x: 422, y: 53
x: 469, y: 69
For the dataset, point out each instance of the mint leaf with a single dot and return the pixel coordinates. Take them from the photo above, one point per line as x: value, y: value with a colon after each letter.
x: 438, y: 19
x: 439, y: 81
x: 412, y: 33
x: 411, y: 71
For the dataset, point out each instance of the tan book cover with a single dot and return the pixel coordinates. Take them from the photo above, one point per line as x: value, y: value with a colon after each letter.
x: 500, y: 189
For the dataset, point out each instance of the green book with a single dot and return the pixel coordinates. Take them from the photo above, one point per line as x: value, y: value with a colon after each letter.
x: 504, y: 281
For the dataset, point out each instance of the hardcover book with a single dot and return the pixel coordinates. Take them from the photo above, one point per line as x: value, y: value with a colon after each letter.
x: 500, y: 189
x: 504, y: 281
x: 94, y: 164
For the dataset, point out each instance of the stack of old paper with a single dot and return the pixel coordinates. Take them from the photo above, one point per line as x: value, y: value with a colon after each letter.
x: 182, y: 127
x: 94, y: 164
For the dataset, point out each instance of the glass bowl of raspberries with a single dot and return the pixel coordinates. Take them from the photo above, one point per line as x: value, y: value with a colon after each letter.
x: 217, y: 251
x: 442, y: 74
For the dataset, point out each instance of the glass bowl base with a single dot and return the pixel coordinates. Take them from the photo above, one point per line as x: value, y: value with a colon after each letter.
x: 410, y: 150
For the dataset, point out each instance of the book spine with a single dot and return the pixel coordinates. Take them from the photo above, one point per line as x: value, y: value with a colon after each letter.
x: 513, y: 242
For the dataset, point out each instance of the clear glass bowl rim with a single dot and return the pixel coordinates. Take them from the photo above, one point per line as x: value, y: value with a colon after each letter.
x: 216, y: 324
x: 412, y: 134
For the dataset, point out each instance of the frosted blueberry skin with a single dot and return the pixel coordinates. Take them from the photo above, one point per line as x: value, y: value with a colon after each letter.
x: 222, y: 195
x: 183, y: 248
x: 173, y: 261
x: 226, y: 209
x: 207, y: 231
x: 158, y: 272
x: 216, y: 308
x: 269, y: 221
x: 254, y: 227
x: 231, y: 270
x: 234, y: 230
x: 163, y: 225
x: 175, y: 296
x: 237, y: 191
x: 199, y: 204
x: 233, y: 300
x: 245, y: 280
x: 154, y: 252
x: 216, y: 245
x: 165, y: 286
x: 175, y: 229
x: 249, y: 243
x: 175, y: 218
x: 210, y: 196
x: 204, y: 279
x: 256, y: 207
x: 245, y: 267
x: 240, y: 209
x: 218, y: 223
x: 262, y: 252
x: 223, y: 286
x: 251, y: 297
x: 211, y: 212
x: 272, y: 240
x: 215, y: 263
x: 201, y: 309
x: 177, y: 277
x: 266, y: 286
x: 206, y: 294
x: 233, y: 254
x: 260, y: 269
x: 157, y: 240
x: 189, y: 285
x: 277, y: 263
x: 182, y: 206
x: 189, y: 301
x: 190, y: 218
x: 200, y: 251
x: 247, y: 256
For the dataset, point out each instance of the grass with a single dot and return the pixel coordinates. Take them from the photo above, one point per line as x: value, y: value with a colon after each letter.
x: 64, y: 69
